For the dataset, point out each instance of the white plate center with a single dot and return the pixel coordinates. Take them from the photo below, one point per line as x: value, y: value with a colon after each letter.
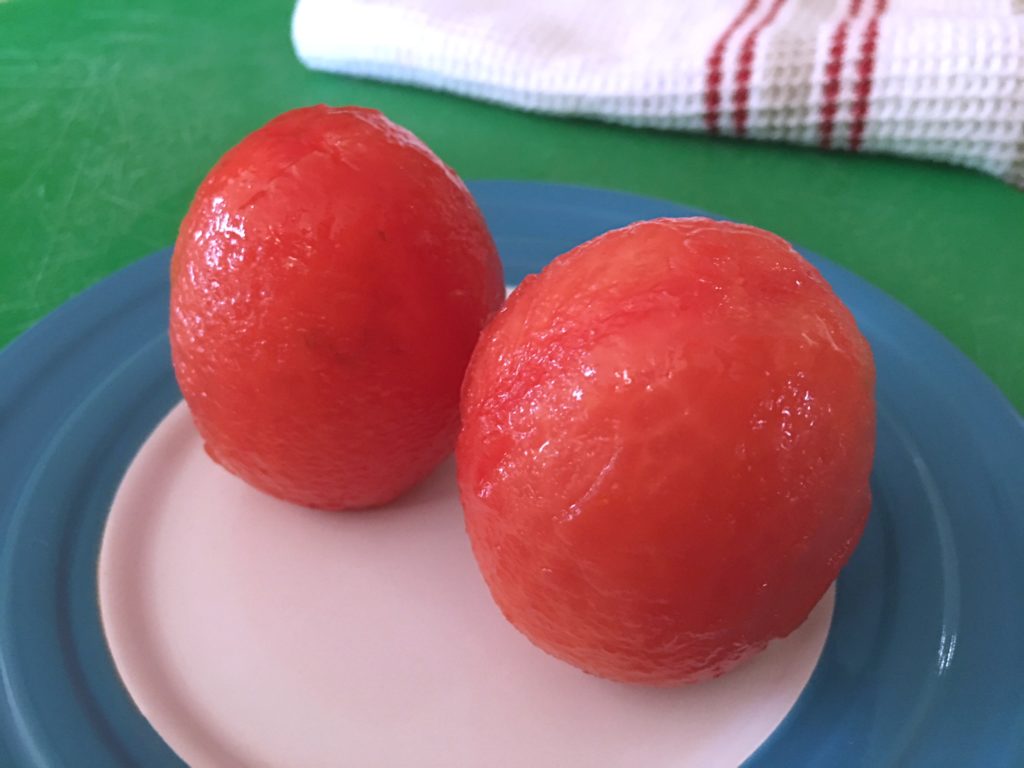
x: 251, y: 632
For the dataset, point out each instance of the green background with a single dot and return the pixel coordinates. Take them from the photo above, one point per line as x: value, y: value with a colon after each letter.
x: 111, y: 111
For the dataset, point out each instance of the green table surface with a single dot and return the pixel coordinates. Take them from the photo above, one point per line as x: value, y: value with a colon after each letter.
x: 111, y: 111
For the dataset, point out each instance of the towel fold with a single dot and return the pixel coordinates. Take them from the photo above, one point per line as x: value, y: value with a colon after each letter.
x: 937, y: 79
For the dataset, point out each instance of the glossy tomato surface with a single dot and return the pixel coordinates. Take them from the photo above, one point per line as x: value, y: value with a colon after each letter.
x: 666, y: 443
x: 327, y: 287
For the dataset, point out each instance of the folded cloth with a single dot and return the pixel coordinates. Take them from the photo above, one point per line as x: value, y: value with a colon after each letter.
x: 938, y: 79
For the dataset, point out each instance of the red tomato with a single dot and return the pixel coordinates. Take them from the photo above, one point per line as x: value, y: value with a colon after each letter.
x: 328, y: 284
x: 665, y: 449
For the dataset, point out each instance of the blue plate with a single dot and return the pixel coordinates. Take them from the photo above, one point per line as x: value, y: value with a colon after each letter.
x: 925, y: 659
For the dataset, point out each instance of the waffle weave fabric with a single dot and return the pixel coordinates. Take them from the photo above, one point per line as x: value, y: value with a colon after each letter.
x: 935, y: 79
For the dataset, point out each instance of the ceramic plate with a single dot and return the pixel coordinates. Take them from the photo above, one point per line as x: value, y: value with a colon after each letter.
x: 219, y: 627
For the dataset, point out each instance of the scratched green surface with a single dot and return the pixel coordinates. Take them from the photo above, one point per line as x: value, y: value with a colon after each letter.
x: 112, y: 110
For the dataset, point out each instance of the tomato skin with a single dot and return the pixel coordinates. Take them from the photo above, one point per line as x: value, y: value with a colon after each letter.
x: 665, y: 449
x: 328, y: 284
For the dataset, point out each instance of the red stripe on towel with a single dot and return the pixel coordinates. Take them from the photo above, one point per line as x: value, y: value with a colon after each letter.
x: 833, y: 74
x: 865, y: 75
x: 741, y: 96
x: 713, y: 81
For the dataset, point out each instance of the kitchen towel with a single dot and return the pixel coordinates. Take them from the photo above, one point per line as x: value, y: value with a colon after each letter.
x: 937, y: 79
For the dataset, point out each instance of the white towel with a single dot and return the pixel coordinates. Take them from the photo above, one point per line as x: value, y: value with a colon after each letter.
x: 938, y: 79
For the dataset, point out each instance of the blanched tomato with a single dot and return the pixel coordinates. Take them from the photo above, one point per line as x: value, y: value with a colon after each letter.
x: 328, y: 284
x: 665, y: 450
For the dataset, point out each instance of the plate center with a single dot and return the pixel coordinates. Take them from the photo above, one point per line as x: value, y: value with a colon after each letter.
x: 251, y: 632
